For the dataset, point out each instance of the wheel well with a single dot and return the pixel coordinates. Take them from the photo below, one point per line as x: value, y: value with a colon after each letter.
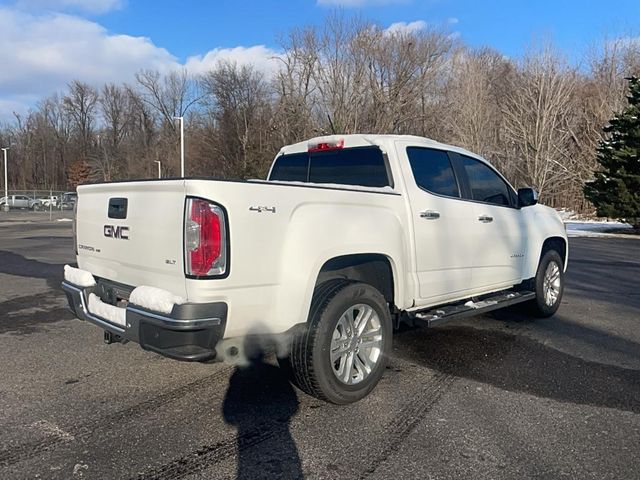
x: 555, y: 243
x: 370, y: 268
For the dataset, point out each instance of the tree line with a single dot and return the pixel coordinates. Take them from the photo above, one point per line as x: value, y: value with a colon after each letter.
x: 538, y: 118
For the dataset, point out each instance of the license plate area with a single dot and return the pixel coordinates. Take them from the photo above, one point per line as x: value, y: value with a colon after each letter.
x: 113, y: 293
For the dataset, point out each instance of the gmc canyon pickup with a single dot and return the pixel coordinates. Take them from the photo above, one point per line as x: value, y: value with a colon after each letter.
x: 349, y: 236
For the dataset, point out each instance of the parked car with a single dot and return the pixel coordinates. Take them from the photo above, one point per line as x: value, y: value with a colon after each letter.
x: 68, y: 200
x: 49, y: 201
x: 21, y: 201
x: 347, y: 238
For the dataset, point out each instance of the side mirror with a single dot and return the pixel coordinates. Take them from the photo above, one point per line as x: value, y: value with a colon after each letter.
x: 527, y: 197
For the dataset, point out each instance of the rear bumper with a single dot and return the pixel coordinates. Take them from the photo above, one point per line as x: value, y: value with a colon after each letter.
x: 189, y: 333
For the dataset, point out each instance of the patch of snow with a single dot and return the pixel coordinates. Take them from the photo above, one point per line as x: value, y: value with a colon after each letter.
x: 78, y: 277
x: 486, y: 303
x: 52, y: 429
x: 569, y: 216
x: 593, y: 228
x: 155, y: 299
x: 108, y: 312
x: 78, y: 468
x: 482, y: 304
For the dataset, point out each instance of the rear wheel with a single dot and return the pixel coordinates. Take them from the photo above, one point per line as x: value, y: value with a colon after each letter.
x: 341, y: 354
x: 549, y: 285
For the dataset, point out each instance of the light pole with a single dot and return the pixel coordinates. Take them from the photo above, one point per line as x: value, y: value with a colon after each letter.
x: 181, y: 144
x: 159, y: 168
x: 6, y: 184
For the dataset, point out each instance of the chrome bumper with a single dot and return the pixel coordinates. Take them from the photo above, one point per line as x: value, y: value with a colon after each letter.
x: 189, y: 333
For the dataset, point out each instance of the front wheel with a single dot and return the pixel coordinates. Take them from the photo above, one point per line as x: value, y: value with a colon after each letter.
x: 549, y: 285
x: 342, y: 352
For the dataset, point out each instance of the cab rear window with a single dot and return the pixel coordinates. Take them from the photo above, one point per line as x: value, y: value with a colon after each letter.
x: 364, y: 166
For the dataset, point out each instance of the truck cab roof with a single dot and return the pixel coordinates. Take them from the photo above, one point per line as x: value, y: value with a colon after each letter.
x: 381, y: 140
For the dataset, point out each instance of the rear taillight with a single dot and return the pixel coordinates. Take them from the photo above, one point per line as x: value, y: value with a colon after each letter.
x: 205, y: 239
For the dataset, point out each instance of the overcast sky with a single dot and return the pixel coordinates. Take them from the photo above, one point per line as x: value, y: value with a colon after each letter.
x: 46, y: 43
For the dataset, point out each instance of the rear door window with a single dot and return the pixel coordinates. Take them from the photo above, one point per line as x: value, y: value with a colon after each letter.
x: 486, y: 185
x: 432, y: 171
x: 359, y: 166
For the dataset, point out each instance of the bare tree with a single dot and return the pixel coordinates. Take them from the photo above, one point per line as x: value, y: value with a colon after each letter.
x: 536, y: 113
x: 143, y: 136
x: 171, y: 95
x: 404, y: 70
x: 60, y: 124
x: 473, y: 117
x: 114, y: 101
x: 237, y: 98
x: 115, y: 109
x: 295, y: 88
x: 80, y: 105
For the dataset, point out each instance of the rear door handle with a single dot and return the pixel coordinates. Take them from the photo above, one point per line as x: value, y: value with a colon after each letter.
x: 430, y: 214
x: 485, y: 219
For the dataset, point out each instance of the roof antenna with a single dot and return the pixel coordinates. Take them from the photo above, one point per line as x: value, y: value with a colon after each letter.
x: 333, y: 130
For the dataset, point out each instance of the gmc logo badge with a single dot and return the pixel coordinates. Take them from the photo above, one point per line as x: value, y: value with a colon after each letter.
x: 113, y: 231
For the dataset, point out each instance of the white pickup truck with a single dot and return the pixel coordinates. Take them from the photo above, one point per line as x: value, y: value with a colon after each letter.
x: 349, y: 236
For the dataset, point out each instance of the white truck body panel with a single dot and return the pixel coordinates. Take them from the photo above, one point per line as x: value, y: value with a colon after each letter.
x: 155, y: 218
x: 277, y: 252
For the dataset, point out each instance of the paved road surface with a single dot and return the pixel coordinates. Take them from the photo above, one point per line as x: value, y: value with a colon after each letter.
x: 498, y: 396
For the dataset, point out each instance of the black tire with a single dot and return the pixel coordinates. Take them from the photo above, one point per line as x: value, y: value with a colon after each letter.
x: 540, y: 307
x: 309, y: 364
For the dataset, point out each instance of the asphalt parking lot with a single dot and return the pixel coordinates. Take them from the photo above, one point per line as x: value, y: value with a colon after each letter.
x: 499, y: 396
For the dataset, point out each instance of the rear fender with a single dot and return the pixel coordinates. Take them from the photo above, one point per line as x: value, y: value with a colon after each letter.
x: 318, y: 234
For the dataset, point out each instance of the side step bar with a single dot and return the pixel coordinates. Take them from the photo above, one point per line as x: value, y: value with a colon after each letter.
x: 469, y: 308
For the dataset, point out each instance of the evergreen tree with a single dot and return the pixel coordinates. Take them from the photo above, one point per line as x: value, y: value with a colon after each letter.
x: 616, y: 189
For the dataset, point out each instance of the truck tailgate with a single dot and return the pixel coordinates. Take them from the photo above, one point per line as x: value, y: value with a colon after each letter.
x: 132, y: 233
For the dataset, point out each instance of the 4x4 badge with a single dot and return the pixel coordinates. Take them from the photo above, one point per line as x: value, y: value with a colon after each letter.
x: 263, y: 209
